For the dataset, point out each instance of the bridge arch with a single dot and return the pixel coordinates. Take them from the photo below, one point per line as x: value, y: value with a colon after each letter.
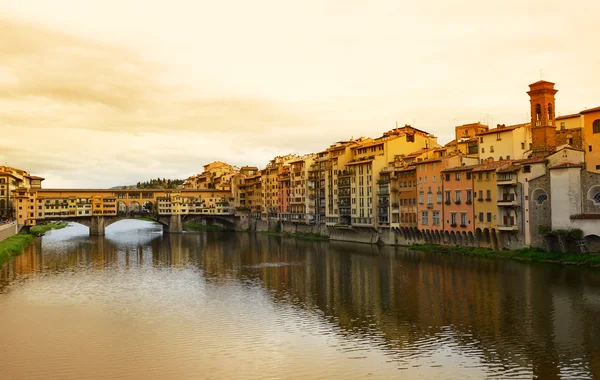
x: 225, y: 220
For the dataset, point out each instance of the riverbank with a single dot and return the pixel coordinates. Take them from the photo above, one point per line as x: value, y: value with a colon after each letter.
x: 298, y: 235
x: 43, y: 228
x: 14, y: 245
x: 194, y: 226
x: 523, y: 254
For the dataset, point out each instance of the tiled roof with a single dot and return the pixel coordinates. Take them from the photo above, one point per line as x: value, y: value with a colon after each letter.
x: 566, y: 165
x: 532, y: 160
x: 460, y: 168
x: 491, y: 166
x: 590, y: 110
x: 586, y: 216
x: 406, y: 169
x: 567, y: 116
x: 502, y: 129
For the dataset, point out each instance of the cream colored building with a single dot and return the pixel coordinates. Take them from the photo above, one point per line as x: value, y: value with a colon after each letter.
x: 505, y: 143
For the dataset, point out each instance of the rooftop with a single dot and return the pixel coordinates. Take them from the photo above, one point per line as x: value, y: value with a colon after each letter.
x: 590, y: 110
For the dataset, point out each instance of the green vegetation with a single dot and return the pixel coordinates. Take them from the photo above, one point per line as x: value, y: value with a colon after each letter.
x: 147, y: 219
x: 297, y: 235
x: 523, y: 254
x: 13, y: 246
x: 43, y: 228
x: 160, y: 184
x: 194, y: 226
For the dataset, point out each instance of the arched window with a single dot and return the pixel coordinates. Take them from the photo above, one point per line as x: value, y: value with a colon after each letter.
x: 538, y: 112
x: 596, y: 126
x: 594, y: 194
x: 539, y: 196
x: 549, y: 111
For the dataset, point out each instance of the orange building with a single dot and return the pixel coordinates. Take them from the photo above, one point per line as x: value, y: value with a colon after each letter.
x: 407, y: 197
x: 458, y: 201
x: 429, y: 193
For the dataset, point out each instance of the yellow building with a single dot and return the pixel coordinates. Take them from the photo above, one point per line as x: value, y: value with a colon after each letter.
x: 591, y: 138
x: 337, y: 183
x: 10, y: 180
x: 485, y: 197
x: 216, y: 175
x: 369, y: 158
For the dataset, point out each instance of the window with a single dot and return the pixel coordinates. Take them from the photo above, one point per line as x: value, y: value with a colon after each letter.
x: 433, y: 179
x: 436, y: 218
x: 424, y: 217
x: 590, y: 148
x: 596, y: 126
x: 453, y: 219
x: 489, y: 216
x: 457, y: 196
x: 447, y: 196
x: 469, y: 196
x: 487, y: 175
x: 481, y: 217
x: 527, y: 169
x: 522, y: 145
x: 482, y: 150
x: 479, y: 176
x: 597, y: 198
x: 421, y: 198
x: 492, y: 149
x: 544, y: 197
x: 481, y: 140
x: 429, y: 198
x: 468, y: 175
x: 488, y: 195
x: 457, y: 176
x: 562, y: 125
x: 447, y: 177
x: 463, y: 218
x: 480, y: 195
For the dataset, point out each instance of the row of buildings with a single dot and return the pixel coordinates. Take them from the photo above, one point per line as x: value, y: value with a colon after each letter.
x: 505, y: 186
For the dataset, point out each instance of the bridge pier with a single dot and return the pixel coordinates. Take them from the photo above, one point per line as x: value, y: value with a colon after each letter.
x: 175, y: 226
x: 97, y: 226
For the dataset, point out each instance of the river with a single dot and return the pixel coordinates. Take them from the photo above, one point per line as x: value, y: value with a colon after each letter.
x: 137, y: 304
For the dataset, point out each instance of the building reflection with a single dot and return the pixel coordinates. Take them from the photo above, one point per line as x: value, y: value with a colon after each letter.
x: 507, y: 314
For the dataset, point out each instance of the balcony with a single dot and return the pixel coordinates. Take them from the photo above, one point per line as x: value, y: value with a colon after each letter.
x: 508, y: 227
x: 447, y: 202
x: 453, y: 225
x: 429, y: 205
x: 506, y: 180
x: 457, y: 201
x: 463, y: 226
x: 508, y: 200
x: 479, y: 199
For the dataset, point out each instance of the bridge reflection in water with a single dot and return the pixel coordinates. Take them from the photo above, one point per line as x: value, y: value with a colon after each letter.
x: 451, y: 313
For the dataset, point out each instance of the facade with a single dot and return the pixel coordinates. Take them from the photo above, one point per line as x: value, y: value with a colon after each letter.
x: 591, y: 138
x: 504, y: 143
x: 405, y: 206
x: 10, y: 180
x: 458, y: 201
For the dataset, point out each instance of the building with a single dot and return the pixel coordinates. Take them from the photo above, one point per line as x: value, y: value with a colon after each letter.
x: 10, y: 180
x: 458, y: 217
x: 511, y: 142
x: 591, y: 138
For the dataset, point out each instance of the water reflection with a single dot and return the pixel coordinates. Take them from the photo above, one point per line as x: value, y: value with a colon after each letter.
x: 381, y: 310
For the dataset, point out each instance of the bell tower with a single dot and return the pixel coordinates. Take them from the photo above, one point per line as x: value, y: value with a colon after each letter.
x: 543, y: 129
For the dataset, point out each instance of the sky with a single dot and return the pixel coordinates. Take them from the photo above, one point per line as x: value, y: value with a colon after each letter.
x: 99, y: 93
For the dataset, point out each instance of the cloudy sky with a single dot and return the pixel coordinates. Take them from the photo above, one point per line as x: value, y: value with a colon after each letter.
x: 98, y: 93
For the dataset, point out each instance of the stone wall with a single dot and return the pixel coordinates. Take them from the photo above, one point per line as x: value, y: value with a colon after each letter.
x: 7, y: 230
x: 539, y: 214
x: 563, y: 136
x: 589, y: 181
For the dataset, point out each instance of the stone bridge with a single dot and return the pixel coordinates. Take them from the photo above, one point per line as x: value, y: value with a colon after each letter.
x: 171, y: 223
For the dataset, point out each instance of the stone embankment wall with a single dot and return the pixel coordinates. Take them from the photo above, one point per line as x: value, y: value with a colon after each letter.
x: 7, y: 230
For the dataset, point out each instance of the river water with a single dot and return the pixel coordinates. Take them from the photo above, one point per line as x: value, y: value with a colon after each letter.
x: 137, y: 304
